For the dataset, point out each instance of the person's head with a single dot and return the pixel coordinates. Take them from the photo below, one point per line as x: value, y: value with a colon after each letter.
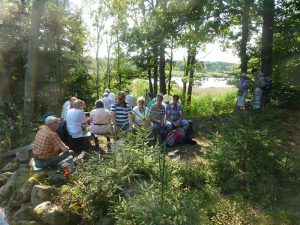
x: 175, y: 99
x: 254, y: 71
x: 140, y: 102
x: 107, y: 90
x: 166, y: 99
x: 82, y: 105
x: 77, y: 104
x: 121, y: 97
x: 52, y: 122
x: 127, y: 92
x: 159, y: 98
x: 105, y: 94
x: 99, y: 104
x: 72, y: 100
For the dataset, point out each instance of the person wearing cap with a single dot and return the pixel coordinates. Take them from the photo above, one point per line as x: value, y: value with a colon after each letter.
x: 157, y: 117
x: 67, y: 105
x: 174, y: 115
x: 76, y: 121
x: 121, y: 113
x: 106, y: 100
x: 243, y: 85
x: 48, y: 148
x: 130, y: 99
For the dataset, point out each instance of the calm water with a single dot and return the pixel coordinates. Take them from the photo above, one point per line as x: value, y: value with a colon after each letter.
x: 206, y: 82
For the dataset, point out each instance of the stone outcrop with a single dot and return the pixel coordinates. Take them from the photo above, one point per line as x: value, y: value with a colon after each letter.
x: 42, y: 193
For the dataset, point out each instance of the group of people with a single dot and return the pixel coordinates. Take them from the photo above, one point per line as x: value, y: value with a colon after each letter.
x: 262, y: 89
x: 120, y: 114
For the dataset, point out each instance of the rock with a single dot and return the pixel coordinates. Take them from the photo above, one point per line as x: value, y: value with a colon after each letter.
x: 25, y: 222
x: 23, y: 169
x: 23, y: 156
x: 9, y: 187
x: 41, y: 193
x: 4, y: 177
x: 25, y: 213
x: 10, y: 167
x: 51, y: 214
x: 56, y: 179
x: 23, y: 194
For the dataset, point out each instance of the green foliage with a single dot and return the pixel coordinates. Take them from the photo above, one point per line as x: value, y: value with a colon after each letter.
x: 207, y: 105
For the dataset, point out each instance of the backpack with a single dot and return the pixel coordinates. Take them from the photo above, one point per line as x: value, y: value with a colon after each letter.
x: 67, y: 166
x: 63, y: 132
x: 174, y: 137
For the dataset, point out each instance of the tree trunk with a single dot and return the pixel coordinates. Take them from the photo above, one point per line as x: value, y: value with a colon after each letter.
x: 118, y: 62
x: 186, y: 72
x: 245, y: 35
x: 162, y: 73
x: 267, y: 36
x: 191, y: 77
x: 97, y: 58
x: 108, y: 48
x: 171, y: 66
x: 31, y: 70
x: 155, y: 72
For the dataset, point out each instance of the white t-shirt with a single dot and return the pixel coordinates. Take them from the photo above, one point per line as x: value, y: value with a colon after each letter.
x: 140, y: 116
x: 130, y: 99
x: 75, y: 118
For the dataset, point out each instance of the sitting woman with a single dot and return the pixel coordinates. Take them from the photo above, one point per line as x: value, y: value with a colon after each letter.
x: 100, y: 121
x: 140, y: 113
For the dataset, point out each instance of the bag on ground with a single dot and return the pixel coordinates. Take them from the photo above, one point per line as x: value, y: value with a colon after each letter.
x: 175, y: 137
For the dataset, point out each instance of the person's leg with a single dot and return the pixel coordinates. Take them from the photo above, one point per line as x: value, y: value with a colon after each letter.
x: 96, y: 141
x: 156, y: 130
x: 184, y: 124
x: 78, y: 144
x: 50, y: 163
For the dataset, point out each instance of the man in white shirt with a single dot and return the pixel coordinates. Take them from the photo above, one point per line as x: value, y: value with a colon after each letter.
x: 76, y: 120
x: 129, y: 99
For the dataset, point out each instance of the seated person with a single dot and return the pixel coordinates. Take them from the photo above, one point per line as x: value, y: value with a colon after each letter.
x: 140, y: 113
x: 76, y: 122
x: 48, y: 148
x: 157, y: 117
x: 174, y: 115
x: 100, y: 121
x: 121, y: 113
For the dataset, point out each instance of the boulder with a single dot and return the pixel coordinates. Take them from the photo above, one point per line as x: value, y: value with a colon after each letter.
x: 23, y: 169
x: 23, y: 194
x: 23, y: 156
x: 42, y: 193
x: 4, y: 177
x: 10, y: 167
x: 23, y: 214
x: 9, y: 187
x: 51, y: 214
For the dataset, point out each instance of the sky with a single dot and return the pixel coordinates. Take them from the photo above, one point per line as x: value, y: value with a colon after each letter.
x: 212, y: 51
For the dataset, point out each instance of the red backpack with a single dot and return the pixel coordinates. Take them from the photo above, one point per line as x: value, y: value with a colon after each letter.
x: 174, y: 137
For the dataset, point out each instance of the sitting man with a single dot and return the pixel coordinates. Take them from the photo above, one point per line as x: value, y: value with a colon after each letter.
x: 121, y: 113
x: 48, y: 149
x: 174, y: 115
x: 157, y: 117
x: 100, y: 121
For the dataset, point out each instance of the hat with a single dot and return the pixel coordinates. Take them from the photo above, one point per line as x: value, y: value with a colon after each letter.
x: 51, y: 119
x: 166, y: 98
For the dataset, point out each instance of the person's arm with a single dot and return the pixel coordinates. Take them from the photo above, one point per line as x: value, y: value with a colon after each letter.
x: 113, y: 116
x: 58, y: 144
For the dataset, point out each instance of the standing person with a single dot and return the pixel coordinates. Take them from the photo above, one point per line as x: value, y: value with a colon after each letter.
x: 157, y: 117
x: 243, y: 85
x: 174, y: 115
x: 66, y: 106
x: 76, y: 122
x: 106, y: 101
x: 48, y: 149
x: 111, y: 95
x: 129, y: 99
x: 121, y: 113
x: 140, y: 113
x: 260, y: 83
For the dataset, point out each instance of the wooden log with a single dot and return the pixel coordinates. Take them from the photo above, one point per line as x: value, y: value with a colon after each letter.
x: 14, y: 151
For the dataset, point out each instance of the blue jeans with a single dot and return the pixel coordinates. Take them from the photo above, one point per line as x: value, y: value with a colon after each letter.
x: 159, y: 130
x: 123, y: 127
x: 50, y: 163
x: 183, y: 123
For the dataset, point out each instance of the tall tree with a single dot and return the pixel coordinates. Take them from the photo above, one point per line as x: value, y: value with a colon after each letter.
x: 32, y: 60
x: 267, y: 36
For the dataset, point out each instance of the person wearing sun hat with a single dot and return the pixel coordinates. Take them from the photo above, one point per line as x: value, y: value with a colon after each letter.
x: 66, y: 106
x: 243, y: 85
x: 48, y: 149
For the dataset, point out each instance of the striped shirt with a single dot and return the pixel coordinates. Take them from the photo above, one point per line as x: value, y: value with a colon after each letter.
x: 157, y: 113
x: 122, y: 112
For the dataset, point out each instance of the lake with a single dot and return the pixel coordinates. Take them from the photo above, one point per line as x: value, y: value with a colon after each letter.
x: 208, y: 82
